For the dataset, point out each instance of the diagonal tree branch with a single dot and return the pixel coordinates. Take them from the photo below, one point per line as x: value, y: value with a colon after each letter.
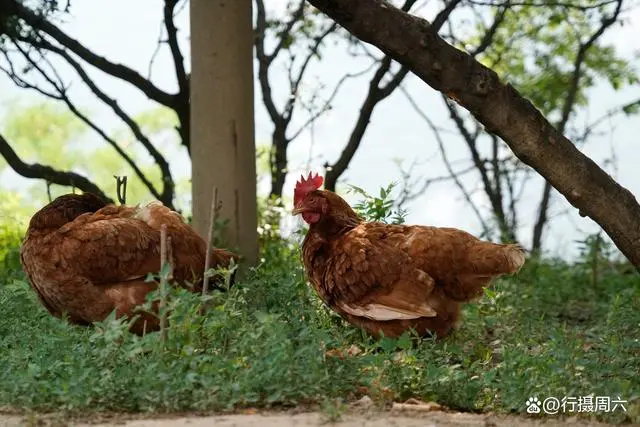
x: 375, y: 94
x: 38, y: 171
x: 500, y: 107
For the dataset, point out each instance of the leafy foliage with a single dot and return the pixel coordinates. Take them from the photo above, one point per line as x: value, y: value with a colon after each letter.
x: 380, y: 208
x: 11, y: 230
x: 535, y: 49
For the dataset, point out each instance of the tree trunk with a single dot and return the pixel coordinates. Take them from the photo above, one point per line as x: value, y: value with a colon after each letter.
x: 500, y: 107
x: 278, y: 160
x: 222, y: 126
x: 541, y: 222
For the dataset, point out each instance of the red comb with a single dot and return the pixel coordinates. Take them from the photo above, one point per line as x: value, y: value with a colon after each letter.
x: 305, y: 186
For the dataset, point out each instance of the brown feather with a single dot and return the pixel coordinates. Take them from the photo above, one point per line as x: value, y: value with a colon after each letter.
x: 86, y: 259
x: 390, y: 278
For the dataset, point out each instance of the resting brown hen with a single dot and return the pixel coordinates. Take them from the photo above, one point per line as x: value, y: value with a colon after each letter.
x: 86, y: 258
x: 388, y: 278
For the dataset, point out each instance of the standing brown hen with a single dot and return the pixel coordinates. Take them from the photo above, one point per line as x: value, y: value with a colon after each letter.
x: 86, y: 258
x: 390, y: 278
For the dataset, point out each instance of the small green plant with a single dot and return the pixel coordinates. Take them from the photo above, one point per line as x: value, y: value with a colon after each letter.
x: 333, y: 410
x: 380, y: 208
x: 11, y: 232
x: 270, y: 342
x: 596, y: 254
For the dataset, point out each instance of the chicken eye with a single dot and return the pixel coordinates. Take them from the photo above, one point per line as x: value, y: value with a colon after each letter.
x: 312, y: 202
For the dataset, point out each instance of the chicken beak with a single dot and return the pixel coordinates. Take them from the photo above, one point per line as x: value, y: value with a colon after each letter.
x: 298, y: 210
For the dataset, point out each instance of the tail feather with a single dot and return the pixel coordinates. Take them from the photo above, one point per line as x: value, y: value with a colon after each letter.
x: 516, y: 256
x: 485, y: 262
x: 496, y: 259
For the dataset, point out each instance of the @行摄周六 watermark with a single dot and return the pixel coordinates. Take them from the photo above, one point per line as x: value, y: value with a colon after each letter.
x: 565, y: 405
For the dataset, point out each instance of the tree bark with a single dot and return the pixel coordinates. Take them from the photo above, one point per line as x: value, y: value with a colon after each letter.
x: 500, y: 108
x: 222, y: 129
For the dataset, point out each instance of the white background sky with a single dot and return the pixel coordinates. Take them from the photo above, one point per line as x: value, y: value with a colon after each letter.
x: 126, y: 31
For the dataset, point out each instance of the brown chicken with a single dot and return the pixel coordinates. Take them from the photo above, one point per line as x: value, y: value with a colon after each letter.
x: 391, y: 278
x: 86, y: 258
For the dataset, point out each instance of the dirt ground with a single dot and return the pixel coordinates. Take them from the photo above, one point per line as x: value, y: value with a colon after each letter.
x: 310, y: 419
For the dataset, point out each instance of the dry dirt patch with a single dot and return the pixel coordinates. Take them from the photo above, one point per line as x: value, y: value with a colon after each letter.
x: 311, y: 419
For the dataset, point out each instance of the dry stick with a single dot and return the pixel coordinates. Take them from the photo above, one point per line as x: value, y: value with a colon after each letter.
x: 210, y: 239
x: 121, y: 188
x: 169, y: 259
x: 124, y: 190
x: 163, y: 282
x: 49, y: 191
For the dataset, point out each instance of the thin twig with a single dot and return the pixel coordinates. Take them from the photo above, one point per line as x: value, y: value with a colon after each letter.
x: 167, y: 195
x: 121, y: 188
x: 170, y: 259
x: 116, y: 70
x: 486, y: 231
x: 163, y: 283
x: 49, y: 191
x: 210, y: 239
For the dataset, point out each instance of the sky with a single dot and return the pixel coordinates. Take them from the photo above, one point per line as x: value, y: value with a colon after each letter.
x: 127, y: 31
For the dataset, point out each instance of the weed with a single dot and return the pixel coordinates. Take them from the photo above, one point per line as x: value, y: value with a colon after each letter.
x: 266, y: 342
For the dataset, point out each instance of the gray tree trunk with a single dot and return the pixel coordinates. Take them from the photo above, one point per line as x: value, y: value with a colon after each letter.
x: 222, y: 122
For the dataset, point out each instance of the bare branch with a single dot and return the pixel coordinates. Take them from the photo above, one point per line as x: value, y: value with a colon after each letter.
x: 297, y: 15
x: 506, y: 233
x: 264, y: 60
x: 20, y: 82
x: 486, y: 230
x: 116, y: 70
x: 168, y: 189
x: 487, y: 38
x: 407, y: 195
x: 374, y: 95
x: 49, y: 174
x: 295, y: 83
x: 282, y: 119
x: 327, y: 104
x: 544, y: 4
x: 156, y: 51
x: 213, y: 215
x: 163, y: 283
x: 172, y: 39
x: 121, y: 189
x: 442, y: 17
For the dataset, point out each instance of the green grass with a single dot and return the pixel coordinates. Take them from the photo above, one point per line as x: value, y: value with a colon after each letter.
x: 550, y: 331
